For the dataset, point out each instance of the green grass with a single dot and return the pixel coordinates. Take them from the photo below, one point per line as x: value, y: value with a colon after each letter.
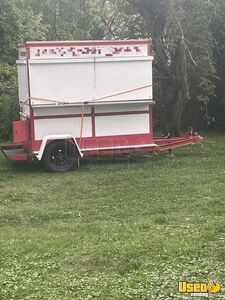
x: 114, y: 229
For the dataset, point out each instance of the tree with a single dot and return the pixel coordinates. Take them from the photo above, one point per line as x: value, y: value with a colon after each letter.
x: 17, y: 24
x: 120, y: 20
x: 173, y: 39
x: 217, y: 107
x: 9, y: 105
x: 188, y: 40
x: 69, y: 19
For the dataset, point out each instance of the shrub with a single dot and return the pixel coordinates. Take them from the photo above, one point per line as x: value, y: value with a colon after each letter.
x: 9, y: 104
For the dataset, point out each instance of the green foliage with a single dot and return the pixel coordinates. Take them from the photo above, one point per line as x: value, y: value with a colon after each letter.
x: 217, y: 107
x: 9, y: 28
x: 9, y: 109
x: 202, y: 76
x: 70, y: 20
x: 18, y: 23
x: 121, y: 21
x: 183, y: 44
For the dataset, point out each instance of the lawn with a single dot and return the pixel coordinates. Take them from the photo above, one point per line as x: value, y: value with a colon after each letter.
x: 115, y: 229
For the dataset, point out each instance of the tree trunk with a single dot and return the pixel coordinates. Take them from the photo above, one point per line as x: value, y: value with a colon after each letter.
x: 174, y: 92
x: 171, y: 65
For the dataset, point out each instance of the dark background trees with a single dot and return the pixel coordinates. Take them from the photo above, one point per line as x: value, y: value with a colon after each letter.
x: 188, y: 40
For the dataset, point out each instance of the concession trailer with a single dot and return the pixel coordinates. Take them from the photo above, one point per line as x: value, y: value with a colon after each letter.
x: 85, y: 98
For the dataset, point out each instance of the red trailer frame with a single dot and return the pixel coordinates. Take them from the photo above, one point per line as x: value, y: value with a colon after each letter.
x: 23, y: 151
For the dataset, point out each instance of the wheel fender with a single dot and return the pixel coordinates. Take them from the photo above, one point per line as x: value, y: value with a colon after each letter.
x: 47, y: 138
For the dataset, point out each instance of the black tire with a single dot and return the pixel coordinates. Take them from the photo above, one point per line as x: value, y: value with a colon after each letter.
x: 60, y: 156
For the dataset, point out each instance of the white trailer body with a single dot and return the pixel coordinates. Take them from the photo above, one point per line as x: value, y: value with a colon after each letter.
x: 79, y: 72
x: 82, y: 98
x: 95, y: 94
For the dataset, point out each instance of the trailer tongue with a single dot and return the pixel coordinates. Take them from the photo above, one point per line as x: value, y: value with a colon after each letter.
x: 85, y: 98
x: 169, y: 143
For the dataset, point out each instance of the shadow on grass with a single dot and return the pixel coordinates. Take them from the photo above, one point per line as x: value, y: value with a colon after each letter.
x: 24, y: 167
x: 99, y: 161
x: 37, y: 167
x: 122, y: 159
x: 137, y: 159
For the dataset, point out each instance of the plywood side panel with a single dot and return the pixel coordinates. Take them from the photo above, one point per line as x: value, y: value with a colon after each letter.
x: 122, y: 125
x: 71, y: 126
x: 106, y: 80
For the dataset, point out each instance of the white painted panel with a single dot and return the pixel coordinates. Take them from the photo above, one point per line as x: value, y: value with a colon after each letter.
x: 121, y: 107
x: 122, y: 125
x: 22, y: 81
x: 63, y: 82
x: 128, y: 79
x: 23, y: 85
x: 69, y: 126
x: 57, y: 110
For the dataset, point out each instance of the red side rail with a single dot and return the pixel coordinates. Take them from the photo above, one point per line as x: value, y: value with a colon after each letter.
x: 169, y: 143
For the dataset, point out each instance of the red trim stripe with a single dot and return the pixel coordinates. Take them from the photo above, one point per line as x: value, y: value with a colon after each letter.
x: 61, y: 116
x: 93, y: 114
x: 32, y: 132
x: 93, y: 121
x: 121, y: 151
x: 109, y: 141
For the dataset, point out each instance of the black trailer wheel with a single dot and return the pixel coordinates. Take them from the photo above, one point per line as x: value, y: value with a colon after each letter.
x: 60, y: 156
